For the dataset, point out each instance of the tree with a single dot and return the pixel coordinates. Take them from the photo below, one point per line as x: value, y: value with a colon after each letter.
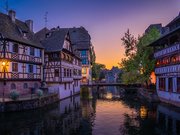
x: 139, y: 63
x: 96, y: 69
x: 129, y: 42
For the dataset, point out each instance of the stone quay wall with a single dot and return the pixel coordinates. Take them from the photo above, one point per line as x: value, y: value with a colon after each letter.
x: 21, y: 105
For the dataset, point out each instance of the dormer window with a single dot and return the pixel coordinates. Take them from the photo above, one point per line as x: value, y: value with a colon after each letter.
x: 15, y: 48
x: 48, y: 34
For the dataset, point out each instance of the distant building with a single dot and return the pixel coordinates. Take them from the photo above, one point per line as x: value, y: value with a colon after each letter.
x: 62, y: 70
x: 167, y: 70
x: 21, y: 57
x: 112, y: 76
x: 81, y: 42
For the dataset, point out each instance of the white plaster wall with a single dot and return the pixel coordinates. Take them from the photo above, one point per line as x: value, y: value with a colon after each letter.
x: 169, y: 96
x: 60, y: 89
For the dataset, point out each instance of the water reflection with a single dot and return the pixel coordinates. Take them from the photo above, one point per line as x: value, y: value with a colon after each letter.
x: 62, y: 118
x: 168, y: 119
x: 112, y: 111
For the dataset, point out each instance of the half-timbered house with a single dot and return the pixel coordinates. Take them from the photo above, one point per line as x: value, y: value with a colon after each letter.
x: 81, y: 42
x: 62, y: 66
x: 21, y: 57
x: 167, y: 70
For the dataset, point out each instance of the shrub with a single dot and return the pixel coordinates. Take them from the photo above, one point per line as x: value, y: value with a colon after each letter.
x: 39, y: 93
x: 14, y: 95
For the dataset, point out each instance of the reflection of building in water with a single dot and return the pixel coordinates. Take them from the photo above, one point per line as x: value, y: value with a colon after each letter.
x: 168, y: 120
x: 88, y: 116
x: 66, y: 118
x: 63, y: 120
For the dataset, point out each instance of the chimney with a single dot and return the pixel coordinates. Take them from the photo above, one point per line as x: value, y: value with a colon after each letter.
x: 29, y: 23
x: 12, y: 15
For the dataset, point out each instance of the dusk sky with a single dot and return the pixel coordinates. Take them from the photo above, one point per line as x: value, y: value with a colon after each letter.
x: 106, y: 20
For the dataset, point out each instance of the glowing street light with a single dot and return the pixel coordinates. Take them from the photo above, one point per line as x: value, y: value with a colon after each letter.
x: 4, y: 65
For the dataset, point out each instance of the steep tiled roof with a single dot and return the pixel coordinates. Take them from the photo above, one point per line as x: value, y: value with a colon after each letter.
x: 41, y: 35
x: 177, y: 18
x: 80, y: 38
x: 55, y: 40
x: 13, y: 31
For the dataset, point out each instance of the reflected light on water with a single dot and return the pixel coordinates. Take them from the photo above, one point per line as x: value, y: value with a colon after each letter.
x: 109, y: 96
x: 143, y: 112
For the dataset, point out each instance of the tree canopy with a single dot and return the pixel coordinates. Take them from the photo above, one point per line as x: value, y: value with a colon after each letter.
x: 139, y: 63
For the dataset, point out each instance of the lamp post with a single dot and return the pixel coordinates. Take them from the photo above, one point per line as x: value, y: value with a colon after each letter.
x: 4, y: 64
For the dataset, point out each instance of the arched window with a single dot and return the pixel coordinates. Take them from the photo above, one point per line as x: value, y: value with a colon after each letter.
x: 35, y: 85
x: 25, y: 85
x: 13, y: 86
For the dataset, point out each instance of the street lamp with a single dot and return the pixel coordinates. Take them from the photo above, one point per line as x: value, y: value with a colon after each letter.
x: 4, y: 65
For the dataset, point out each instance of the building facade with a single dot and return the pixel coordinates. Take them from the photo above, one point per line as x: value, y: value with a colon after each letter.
x: 21, y: 57
x: 62, y: 69
x: 81, y: 42
x: 112, y: 76
x: 167, y: 70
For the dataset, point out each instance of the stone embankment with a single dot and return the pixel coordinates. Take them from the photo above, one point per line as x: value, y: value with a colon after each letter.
x: 28, y: 104
x: 149, y: 95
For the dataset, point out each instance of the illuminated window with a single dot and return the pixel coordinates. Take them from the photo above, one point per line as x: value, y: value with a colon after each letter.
x: 84, y: 70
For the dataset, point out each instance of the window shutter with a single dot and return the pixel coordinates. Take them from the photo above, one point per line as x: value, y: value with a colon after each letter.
x: 34, y: 69
x: 27, y: 68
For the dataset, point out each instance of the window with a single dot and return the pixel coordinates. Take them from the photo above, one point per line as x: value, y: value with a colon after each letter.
x: 84, y: 70
x: 67, y: 72
x: 30, y: 68
x: 64, y: 72
x: 162, y: 84
x: 25, y: 85
x: 83, y: 53
x: 55, y: 55
x: 15, y: 48
x: 56, y: 72
x: 13, y: 86
x: 35, y: 85
x: 14, y: 67
x: 84, y: 61
x: 70, y: 72
x: 170, y: 84
x: 32, y: 51
x: 178, y: 84
x: 79, y: 72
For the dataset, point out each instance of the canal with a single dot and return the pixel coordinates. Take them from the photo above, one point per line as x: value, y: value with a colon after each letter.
x: 106, y: 111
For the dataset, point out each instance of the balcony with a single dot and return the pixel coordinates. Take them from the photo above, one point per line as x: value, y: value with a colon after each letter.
x: 21, y: 57
x: 168, y: 69
x: 169, y: 50
x: 20, y: 76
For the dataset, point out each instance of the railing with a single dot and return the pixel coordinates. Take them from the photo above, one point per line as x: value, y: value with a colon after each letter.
x: 11, y: 75
x: 168, y: 69
x: 21, y: 57
x: 168, y: 50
